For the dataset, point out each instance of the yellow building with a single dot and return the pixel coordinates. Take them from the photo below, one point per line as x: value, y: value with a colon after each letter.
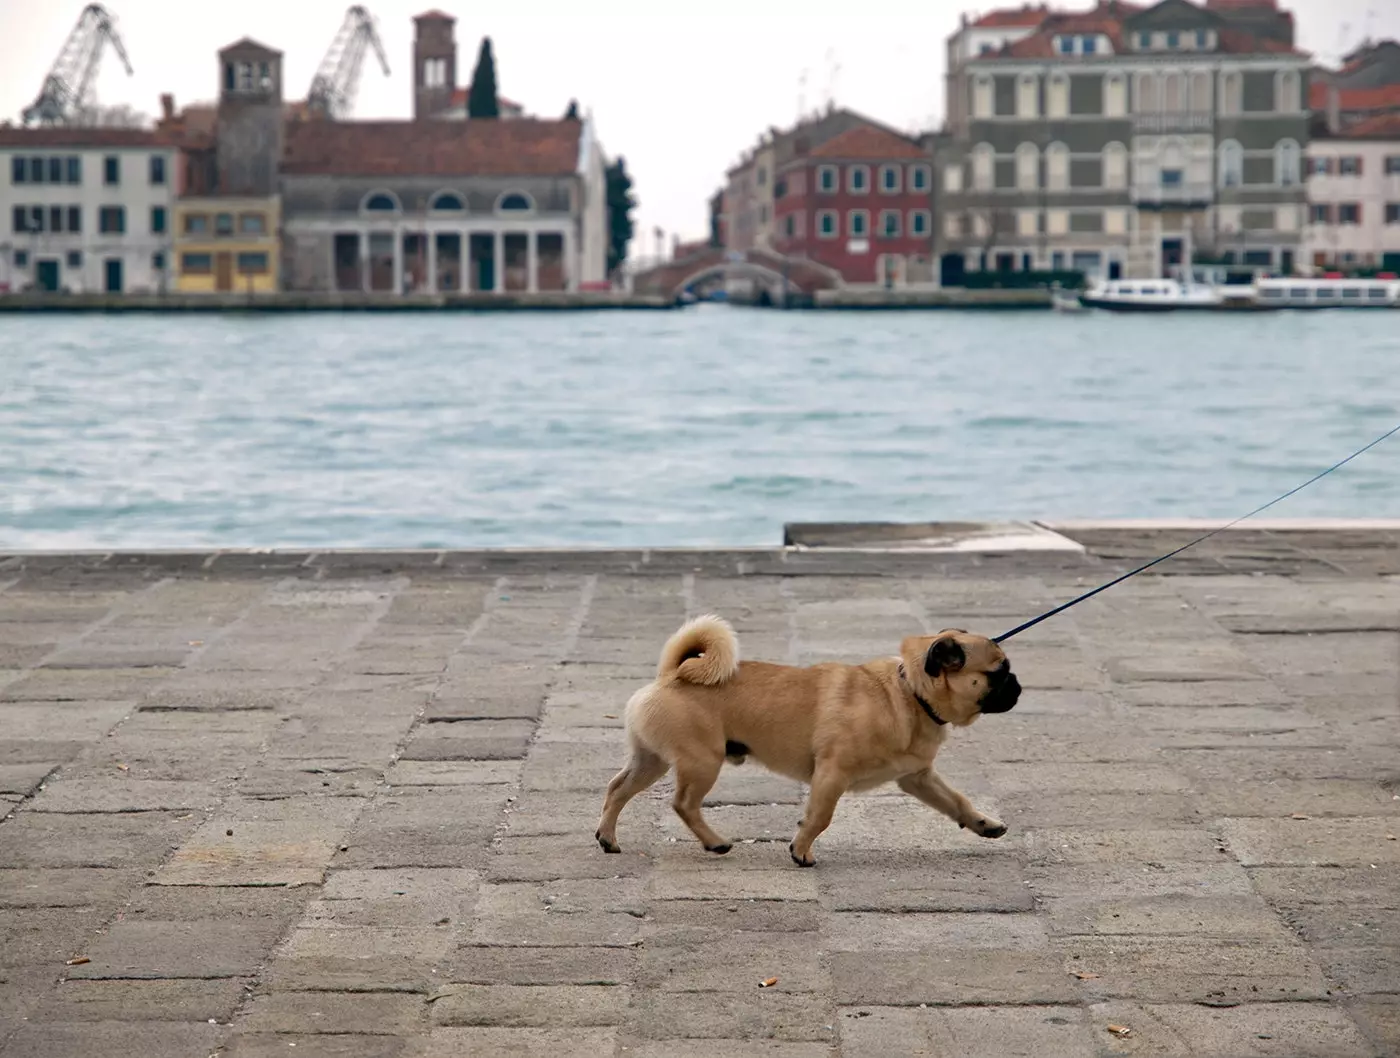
x: 227, y: 245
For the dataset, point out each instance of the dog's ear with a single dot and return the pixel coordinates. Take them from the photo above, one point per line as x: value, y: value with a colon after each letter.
x: 944, y: 655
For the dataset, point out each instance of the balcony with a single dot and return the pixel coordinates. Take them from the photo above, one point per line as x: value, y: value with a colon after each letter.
x: 1176, y: 121
x: 1172, y: 195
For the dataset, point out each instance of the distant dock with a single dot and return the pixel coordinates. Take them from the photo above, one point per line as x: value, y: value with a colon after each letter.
x: 350, y: 302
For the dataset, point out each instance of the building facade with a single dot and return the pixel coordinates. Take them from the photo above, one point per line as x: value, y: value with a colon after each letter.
x: 416, y: 207
x: 86, y: 210
x: 228, y: 223
x: 1110, y: 140
x: 1354, y: 198
x: 861, y: 204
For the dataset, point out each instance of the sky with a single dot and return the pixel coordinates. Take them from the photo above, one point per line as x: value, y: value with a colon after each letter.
x: 680, y: 91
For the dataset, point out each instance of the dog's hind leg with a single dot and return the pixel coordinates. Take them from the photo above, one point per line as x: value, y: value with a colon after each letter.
x: 828, y: 784
x: 642, y: 770
x: 694, y: 778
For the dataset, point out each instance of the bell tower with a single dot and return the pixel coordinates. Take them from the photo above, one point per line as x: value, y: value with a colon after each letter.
x: 250, y: 119
x: 434, y: 64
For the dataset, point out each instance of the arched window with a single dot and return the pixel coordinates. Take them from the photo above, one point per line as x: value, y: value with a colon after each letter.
x: 447, y: 202
x: 1231, y: 164
x: 983, y: 166
x: 1201, y: 102
x: 1057, y: 167
x: 1287, y: 163
x: 1146, y: 101
x: 1172, y: 85
x: 515, y: 202
x: 1231, y: 93
x: 381, y: 202
x: 1027, y: 167
x: 1115, y: 166
x: 1286, y: 92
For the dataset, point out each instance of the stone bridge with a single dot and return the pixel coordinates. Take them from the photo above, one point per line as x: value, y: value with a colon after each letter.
x: 780, y: 277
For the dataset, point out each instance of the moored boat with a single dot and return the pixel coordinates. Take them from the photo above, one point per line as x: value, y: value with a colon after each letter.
x: 1328, y: 292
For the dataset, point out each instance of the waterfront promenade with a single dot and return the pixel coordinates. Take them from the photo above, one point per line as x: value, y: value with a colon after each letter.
x: 345, y: 802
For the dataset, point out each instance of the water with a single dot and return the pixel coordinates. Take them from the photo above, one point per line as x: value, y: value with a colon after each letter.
x: 708, y: 426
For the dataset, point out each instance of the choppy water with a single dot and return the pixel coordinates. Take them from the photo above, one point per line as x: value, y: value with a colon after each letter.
x: 709, y: 426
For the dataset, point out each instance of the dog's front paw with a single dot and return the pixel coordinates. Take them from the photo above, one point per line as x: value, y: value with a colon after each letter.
x: 719, y: 850
x: 801, y: 861
x: 990, y: 828
x: 608, y: 846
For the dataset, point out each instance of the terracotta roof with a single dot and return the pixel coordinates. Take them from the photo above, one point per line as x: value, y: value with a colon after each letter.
x: 1382, y: 97
x: 1011, y: 18
x: 434, y: 16
x: 1379, y: 127
x: 17, y: 136
x: 526, y: 147
x: 867, y: 142
x: 1239, y: 42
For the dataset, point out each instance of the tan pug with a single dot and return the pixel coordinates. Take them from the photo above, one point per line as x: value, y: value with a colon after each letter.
x: 839, y: 728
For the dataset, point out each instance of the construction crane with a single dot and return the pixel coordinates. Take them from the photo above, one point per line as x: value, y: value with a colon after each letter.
x: 333, y: 88
x: 67, y: 90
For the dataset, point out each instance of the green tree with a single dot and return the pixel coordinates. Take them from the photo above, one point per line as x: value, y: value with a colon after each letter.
x: 621, y: 202
x: 716, y: 208
x: 481, y: 99
x: 572, y: 113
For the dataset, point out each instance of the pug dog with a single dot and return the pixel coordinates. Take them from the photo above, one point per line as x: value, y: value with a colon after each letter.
x: 839, y: 728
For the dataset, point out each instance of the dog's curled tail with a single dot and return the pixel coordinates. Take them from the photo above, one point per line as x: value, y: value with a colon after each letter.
x: 704, y: 650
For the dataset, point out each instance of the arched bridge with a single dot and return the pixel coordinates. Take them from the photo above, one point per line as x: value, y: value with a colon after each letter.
x: 780, y: 276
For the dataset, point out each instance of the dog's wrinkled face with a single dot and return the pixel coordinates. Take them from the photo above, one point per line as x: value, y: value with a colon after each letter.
x: 962, y: 675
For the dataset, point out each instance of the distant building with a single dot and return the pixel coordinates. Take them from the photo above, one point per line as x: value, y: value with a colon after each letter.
x: 86, y: 210
x: 859, y: 203
x: 228, y: 216
x: 1366, y: 86
x: 1354, y: 197
x: 1098, y: 140
x: 405, y: 207
x: 436, y: 91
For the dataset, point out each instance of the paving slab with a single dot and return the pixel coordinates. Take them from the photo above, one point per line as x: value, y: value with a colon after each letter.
x: 344, y: 805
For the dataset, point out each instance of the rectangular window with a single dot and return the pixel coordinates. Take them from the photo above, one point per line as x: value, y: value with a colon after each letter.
x: 75, y: 259
x: 1173, y: 39
x: 19, y: 221
x: 111, y: 220
x: 858, y: 179
x: 197, y: 264
x: 1144, y: 40
x: 55, y: 218
x: 75, y: 169
x: 826, y: 224
x: 918, y: 178
x: 1392, y: 164
x: 19, y: 172
x: 1321, y: 213
x: 826, y: 178
x: 1320, y: 166
x: 55, y: 170
x: 1349, y: 166
x: 21, y: 259
x: 252, y: 224
x: 889, y: 224
x: 36, y: 170
x: 1202, y: 39
x: 889, y: 179
x: 1066, y: 45
x: 1089, y: 45
x: 252, y: 264
x: 158, y: 261
x: 1171, y: 177
x: 858, y: 222
x: 1349, y: 213
x: 157, y: 220
x: 157, y: 169
x: 918, y: 222
x: 36, y: 218
x: 111, y: 170
x: 75, y: 218
x: 1392, y: 212
x: 223, y: 224
x: 196, y: 223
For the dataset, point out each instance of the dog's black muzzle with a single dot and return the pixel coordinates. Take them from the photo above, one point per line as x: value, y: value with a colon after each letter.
x: 1002, y: 694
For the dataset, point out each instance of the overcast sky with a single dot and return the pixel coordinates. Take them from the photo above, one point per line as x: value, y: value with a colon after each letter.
x: 679, y: 90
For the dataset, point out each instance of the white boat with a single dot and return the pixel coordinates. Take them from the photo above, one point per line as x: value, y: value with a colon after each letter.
x: 1154, y: 295
x: 1328, y: 292
x: 1062, y: 300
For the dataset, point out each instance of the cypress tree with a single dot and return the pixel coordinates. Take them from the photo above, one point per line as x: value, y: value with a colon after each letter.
x: 481, y: 99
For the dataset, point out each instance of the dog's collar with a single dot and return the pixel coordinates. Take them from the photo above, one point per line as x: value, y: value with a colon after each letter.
x: 919, y: 698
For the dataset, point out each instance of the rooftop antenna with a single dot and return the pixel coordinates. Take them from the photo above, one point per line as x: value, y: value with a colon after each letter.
x: 833, y: 71
x: 801, y: 96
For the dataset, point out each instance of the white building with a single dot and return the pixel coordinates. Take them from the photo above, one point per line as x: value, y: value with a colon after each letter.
x: 85, y: 210
x: 1354, y: 197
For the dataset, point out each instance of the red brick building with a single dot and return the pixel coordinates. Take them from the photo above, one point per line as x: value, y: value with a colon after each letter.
x: 859, y: 203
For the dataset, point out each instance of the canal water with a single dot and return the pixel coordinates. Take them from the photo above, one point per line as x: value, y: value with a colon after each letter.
x: 711, y: 425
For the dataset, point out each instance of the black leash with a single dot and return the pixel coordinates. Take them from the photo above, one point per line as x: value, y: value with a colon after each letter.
x: 1133, y: 573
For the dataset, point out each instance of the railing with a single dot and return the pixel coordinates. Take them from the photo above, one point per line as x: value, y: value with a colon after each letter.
x: 1184, y: 194
x: 1178, y: 121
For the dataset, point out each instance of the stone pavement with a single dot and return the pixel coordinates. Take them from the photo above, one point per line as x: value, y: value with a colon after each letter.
x: 345, y: 803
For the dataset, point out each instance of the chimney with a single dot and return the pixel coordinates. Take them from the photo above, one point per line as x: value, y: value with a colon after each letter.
x: 167, y: 106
